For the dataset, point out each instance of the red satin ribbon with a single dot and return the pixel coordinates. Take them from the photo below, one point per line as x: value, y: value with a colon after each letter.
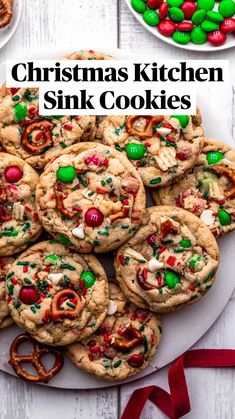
x: 177, y: 403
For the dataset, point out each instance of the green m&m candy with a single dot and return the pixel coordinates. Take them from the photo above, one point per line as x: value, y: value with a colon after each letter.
x: 198, y: 36
x: 20, y: 112
x: 213, y: 157
x: 215, y: 16
x: 183, y: 119
x: 205, y: 4
x: 66, y: 174
x: 181, y: 37
x: 224, y: 217
x: 135, y: 151
x: 209, y: 26
x: 171, y: 279
x: 175, y: 3
x: 185, y: 243
x: 227, y: 8
x: 198, y: 17
x: 89, y: 278
x: 139, y: 6
x: 176, y: 14
x: 52, y: 258
x: 151, y: 17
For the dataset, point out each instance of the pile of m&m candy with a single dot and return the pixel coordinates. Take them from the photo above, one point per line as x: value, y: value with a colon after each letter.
x: 196, y: 21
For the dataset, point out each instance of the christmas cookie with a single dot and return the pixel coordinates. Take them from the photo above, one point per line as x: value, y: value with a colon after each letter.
x: 208, y: 190
x: 19, y: 222
x: 123, y: 345
x: 170, y: 262
x: 161, y: 148
x: 37, y: 139
x: 88, y: 55
x: 5, y: 318
x: 56, y: 295
x: 91, y: 198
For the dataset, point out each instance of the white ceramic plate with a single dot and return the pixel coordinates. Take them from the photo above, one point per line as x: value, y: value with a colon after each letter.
x: 205, y: 47
x: 8, y: 32
x: 183, y: 328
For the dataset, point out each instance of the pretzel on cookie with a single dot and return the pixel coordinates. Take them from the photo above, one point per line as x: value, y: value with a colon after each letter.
x: 121, y: 214
x: 135, y: 338
x: 152, y: 121
x: 38, y: 351
x: 45, y: 127
x: 3, y: 193
x: 5, y: 12
x: 57, y: 313
x: 230, y: 193
x: 60, y: 205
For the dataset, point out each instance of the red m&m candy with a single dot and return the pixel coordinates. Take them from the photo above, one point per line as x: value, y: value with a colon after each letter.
x: 216, y: 38
x: 28, y: 295
x: 154, y: 4
x: 185, y: 26
x: 228, y: 25
x: 136, y: 360
x: 189, y: 9
x: 13, y: 174
x: 163, y: 10
x: 93, y: 217
x: 166, y: 27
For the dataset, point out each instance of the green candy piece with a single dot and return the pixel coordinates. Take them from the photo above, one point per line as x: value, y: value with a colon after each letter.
x: 198, y: 17
x: 175, y: 3
x: 209, y: 26
x: 185, y: 243
x: 135, y: 151
x: 139, y: 6
x: 176, y: 14
x: 66, y: 174
x: 171, y: 279
x: 215, y: 16
x: 20, y: 112
x: 151, y: 17
x: 213, y: 157
x: 52, y: 258
x: 64, y: 240
x: 89, y: 278
x: 227, y: 8
x: 206, y: 4
x: 224, y: 217
x: 198, y: 36
x: 181, y: 37
x: 183, y: 119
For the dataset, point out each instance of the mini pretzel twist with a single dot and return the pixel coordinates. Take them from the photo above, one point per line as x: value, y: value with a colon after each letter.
x: 57, y: 313
x: 152, y: 122
x: 230, y: 193
x: 5, y: 12
x: 44, y: 126
x: 121, y: 214
x: 35, y: 359
x: 60, y: 205
x: 142, y: 282
x: 136, y: 338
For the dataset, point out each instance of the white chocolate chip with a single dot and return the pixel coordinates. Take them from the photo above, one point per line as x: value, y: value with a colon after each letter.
x: 154, y: 265
x: 79, y: 232
x: 18, y: 211
x: 134, y: 255
x: 207, y: 217
x: 163, y: 131
x: 112, y: 308
x: 55, y: 278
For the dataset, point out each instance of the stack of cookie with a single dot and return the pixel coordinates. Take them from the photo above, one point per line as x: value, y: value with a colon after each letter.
x: 80, y: 181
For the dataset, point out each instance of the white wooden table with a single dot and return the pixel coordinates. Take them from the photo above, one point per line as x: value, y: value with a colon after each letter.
x: 48, y: 23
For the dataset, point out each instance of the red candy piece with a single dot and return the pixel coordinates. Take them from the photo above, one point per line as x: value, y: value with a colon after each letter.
x: 189, y: 9
x: 185, y: 26
x: 228, y: 25
x: 136, y: 360
x: 14, y: 90
x: 151, y: 239
x: 154, y: 4
x: 216, y: 38
x: 163, y: 11
x: 93, y: 217
x: 167, y: 27
x: 28, y: 295
x: 13, y: 174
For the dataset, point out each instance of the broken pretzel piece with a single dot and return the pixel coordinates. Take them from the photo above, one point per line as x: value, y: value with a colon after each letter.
x: 5, y: 12
x: 121, y: 214
x: 230, y: 193
x: 135, y: 338
x: 152, y: 121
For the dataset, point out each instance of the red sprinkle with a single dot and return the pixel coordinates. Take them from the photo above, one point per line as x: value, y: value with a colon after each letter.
x: 171, y: 260
x: 68, y: 127
x: 161, y: 249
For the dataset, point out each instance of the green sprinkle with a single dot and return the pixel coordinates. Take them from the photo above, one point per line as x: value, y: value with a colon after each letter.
x: 18, y: 304
x: 141, y: 328
x: 102, y: 182
x: 118, y: 147
x: 96, y: 243
x: 70, y: 304
x: 37, y: 305
x: 63, y: 145
x: 117, y: 364
x: 26, y: 227
x: 21, y: 263
x: 11, y: 289
x: 127, y: 259
x: 33, y: 309
x: 124, y: 226
x: 64, y: 240
x: 67, y: 266
x: 27, y: 281
x: 15, y: 98
x: 103, y: 233
x: 155, y: 180
x: 146, y: 348
x: 10, y: 275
